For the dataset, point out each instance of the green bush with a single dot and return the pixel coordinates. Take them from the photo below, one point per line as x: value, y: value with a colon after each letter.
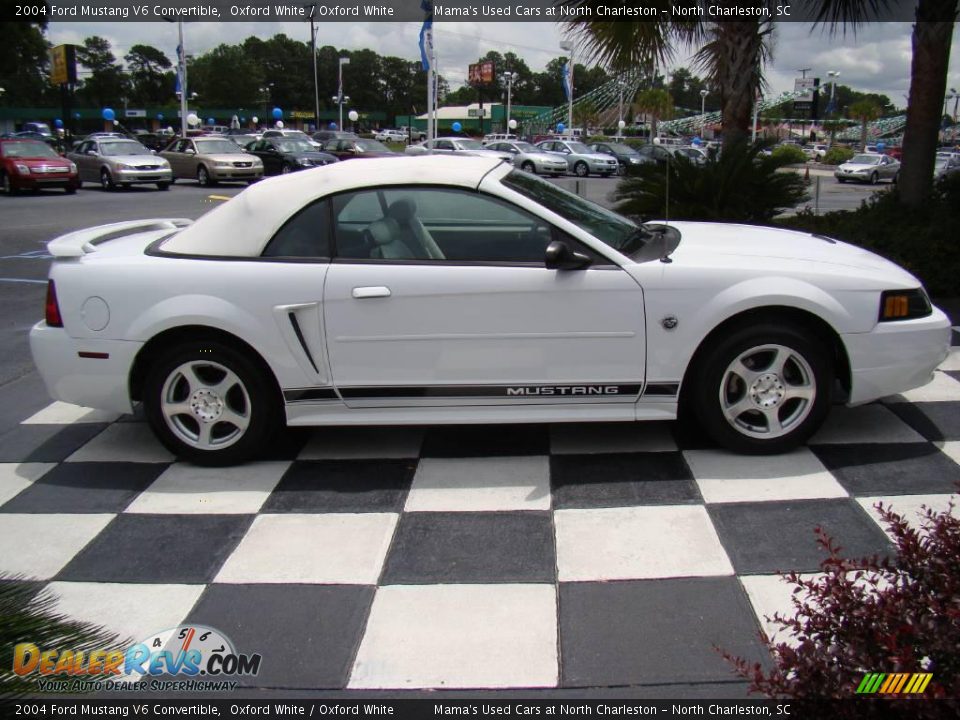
x: 924, y: 241
x: 789, y: 154
x: 837, y: 156
x: 737, y: 185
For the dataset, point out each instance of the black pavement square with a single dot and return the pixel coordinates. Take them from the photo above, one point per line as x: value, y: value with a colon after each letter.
x: 158, y: 549
x: 287, y: 444
x: 654, y: 631
x: 933, y: 420
x: 895, y: 469
x: 46, y: 443
x: 307, y: 635
x: 621, y: 480
x: 352, y: 486
x: 771, y: 537
x: 486, y: 440
x: 86, y: 487
x: 461, y: 547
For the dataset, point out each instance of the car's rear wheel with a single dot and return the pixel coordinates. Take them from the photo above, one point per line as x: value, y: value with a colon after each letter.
x: 209, y: 404
x: 286, y: 169
x: 70, y: 189
x: 529, y: 167
x: 895, y: 178
x: 106, y: 180
x: 764, y: 388
x: 841, y: 180
x: 581, y: 169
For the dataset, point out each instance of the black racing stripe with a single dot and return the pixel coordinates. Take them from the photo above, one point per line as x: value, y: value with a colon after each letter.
x: 662, y: 389
x: 501, y: 391
x: 308, y: 394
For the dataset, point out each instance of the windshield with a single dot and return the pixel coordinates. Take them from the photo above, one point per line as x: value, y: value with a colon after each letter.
x: 28, y: 150
x: 579, y: 148
x: 865, y: 159
x: 294, y: 145
x: 123, y: 147
x: 614, y: 230
x: 217, y: 147
x: 622, y: 149
x: 470, y: 144
x: 370, y: 146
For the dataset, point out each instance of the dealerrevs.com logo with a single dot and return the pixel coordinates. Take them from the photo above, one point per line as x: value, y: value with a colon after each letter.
x: 184, y: 658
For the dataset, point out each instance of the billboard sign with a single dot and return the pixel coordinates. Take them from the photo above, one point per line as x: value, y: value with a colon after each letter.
x: 481, y: 73
x: 808, y: 86
x: 63, y: 64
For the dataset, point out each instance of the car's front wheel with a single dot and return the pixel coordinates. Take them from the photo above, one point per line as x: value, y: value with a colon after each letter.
x: 581, y: 169
x: 106, y: 180
x: 7, y: 184
x: 874, y: 179
x: 529, y: 167
x: 203, y: 177
x: 163, y: 186
x: 209, y: 404
x: 764, y: 388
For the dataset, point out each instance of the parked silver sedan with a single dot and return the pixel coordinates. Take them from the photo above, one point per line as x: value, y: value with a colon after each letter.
x: 581, y: 160
x: 118, y: 161
x: 455, y: 146
x: 868, y: 168
x: 946, y: 164
x: 530, y: 158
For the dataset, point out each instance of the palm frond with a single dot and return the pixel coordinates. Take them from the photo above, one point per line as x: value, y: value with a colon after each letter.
x: 839, y: 16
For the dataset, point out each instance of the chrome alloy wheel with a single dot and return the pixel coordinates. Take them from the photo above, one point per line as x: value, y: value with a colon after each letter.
x: 205, y: 405
x: 767, y: 391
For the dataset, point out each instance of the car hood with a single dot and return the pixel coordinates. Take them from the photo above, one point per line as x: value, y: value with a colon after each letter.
x: 39, y: 162
x: 486, y: 153
x: 773, y: 249
x: 134, y: 160
x: 596, y: 157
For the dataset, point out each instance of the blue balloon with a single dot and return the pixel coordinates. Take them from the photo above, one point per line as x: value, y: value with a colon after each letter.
x: 277, y: 114
x: 561, y: 127
x: 76, y: 116
x: 159, y: 116
x: 457, y: 127
x: 243, y: 119
x: 881, y: 145
x: 210, y: 121
x: 332, y: 126
x: 109, y: 114
x: 58, y: 123
x: 697, y: 141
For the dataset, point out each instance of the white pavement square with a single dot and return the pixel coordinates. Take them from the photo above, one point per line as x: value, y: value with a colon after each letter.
x: 726, y: 478
x: 769, y: 595
x: 185, y: 489
x: 864, y: 424
x: 638, y: 543
x: 942, y: 388
x: 337, y: 548
x: 909, y: 506
x: 61, y: 413
x: 481, y: 484
x: 459, y: 636
x: 16, y: 477
x: 123, y: 442
x: 39, y: 546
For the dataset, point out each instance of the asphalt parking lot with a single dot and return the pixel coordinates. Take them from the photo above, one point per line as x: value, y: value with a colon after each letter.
x: 571, y: 557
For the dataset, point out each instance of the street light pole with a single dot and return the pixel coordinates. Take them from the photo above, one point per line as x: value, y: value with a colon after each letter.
x: 182, y: 69
x: 313, y: 55
x: 619, y: 107
x: 956, y: 98
x: 343, y: 61
x: 509, y: 77
x: 703, y: 111
x: 567, y: 46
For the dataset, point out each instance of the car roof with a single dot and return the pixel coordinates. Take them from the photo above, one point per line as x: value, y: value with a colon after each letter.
x: 242, y: 226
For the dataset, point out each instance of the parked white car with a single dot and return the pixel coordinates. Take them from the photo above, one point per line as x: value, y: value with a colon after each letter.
x: 463, y: 290
x: 390, y: 135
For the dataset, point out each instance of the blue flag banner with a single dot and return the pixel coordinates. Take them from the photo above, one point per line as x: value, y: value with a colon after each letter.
x: 426, y: 35
x: 567, y: 88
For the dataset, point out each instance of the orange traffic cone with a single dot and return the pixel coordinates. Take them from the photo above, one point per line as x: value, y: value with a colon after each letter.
x: 806, y: 175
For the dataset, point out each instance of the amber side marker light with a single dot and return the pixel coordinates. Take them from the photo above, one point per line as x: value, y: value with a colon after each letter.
x: 52, y: 314
x: 904, y: 305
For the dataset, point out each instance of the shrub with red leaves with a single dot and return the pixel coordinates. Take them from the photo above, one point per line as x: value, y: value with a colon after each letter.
x: 898, y: 614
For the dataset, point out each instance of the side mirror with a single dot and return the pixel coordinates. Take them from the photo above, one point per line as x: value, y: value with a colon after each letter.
x: 91, y: 152
x: 559, y: 256
x: 190, y: 151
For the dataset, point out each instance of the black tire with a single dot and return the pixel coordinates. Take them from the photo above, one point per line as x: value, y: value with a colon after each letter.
x: 260, y: 406
x: 895, y: 178
x: 163, y: 186
x: 581, y: 169
x: 606, y: 175
x: 286, y: 169
x: 841, y: 180
x: 6, y: 185
x: 106, y: 180
x: 529, y: 167
x: 715, y: 384
x: 203, y: 177
x: 70, y: 189
x: 874, y: 179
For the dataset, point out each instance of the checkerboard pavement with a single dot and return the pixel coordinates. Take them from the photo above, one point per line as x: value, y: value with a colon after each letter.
x: 566, y: 556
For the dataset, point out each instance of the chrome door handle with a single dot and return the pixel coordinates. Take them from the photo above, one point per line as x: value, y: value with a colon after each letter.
x: 376, y: 291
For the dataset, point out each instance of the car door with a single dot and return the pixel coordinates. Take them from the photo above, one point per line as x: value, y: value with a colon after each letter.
x: 440, y: 296
x: 83, y: 161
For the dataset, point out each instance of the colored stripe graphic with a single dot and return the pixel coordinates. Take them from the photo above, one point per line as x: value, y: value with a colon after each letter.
x: 894, y: 683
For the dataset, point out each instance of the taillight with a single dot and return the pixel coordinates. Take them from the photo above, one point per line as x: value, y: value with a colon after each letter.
x: 53, y: 308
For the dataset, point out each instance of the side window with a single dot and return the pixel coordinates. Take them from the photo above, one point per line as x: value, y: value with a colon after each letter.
x: 444, y: 145
x: 305, y: 235
x: 436, y: 224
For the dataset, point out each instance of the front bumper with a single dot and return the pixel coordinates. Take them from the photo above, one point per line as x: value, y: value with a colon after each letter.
x: 135, y: 176
x: 552, y: 167
x: 235, y: 173
x: 603, y: 167
x: 100, y: 383
x: 896, y: 356
x: 34, y: 181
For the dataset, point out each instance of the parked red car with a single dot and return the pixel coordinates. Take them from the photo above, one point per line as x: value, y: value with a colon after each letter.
x: 33, y: 165
x: 894, y: 152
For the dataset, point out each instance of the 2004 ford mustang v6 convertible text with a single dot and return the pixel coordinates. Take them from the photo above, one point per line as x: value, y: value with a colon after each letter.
x: 459, y: 290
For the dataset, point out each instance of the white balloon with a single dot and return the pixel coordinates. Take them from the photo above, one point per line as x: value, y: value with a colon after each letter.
x: 622, y: 124
x: 255, y: 119
x: 192, y: 119
x: 353, y: 115
x: 512, y: 124
x: 279, y: 123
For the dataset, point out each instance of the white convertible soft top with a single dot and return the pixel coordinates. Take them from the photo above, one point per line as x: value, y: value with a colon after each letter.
x: 242, y: 226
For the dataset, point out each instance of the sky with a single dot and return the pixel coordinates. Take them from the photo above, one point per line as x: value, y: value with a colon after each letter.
x: 875, y: 59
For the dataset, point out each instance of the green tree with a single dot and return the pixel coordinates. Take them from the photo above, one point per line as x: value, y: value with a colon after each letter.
x: 24, y: 64
x: 106, y: 83
x: 150, y: 79
x: 226, y: 77
x: 866, y: 111
x: 656, y: 103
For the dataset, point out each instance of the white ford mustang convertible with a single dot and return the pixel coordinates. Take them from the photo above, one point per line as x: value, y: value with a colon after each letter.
x: 460, y: 290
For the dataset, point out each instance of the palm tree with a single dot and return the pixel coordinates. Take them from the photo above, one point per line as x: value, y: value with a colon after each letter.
x: 732, y: 54
x: 657, y: 103
x: 866, y: 111
x: 932, y: 37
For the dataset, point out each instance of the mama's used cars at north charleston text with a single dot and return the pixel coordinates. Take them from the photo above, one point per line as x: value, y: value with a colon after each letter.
x: 463, y: 290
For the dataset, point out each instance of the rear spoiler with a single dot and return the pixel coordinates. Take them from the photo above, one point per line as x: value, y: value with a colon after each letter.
x: 81, y: 242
